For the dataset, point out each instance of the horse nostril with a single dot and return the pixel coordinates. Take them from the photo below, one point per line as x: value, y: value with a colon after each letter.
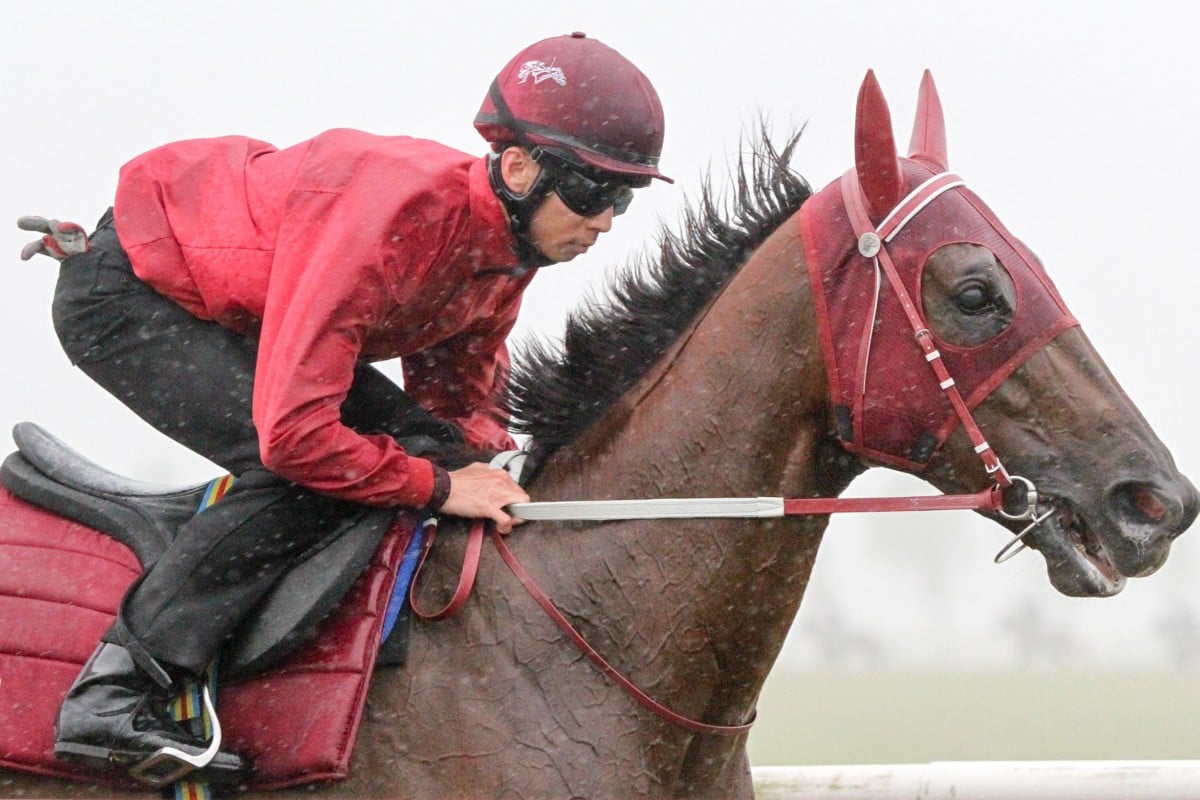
x: 1148, y: 503
x: 1144, y: 504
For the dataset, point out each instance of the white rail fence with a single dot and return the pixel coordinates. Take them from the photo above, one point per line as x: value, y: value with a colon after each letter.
x: 984, y: 780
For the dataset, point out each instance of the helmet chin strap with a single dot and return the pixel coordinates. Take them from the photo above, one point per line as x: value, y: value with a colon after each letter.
x: 520, y: 208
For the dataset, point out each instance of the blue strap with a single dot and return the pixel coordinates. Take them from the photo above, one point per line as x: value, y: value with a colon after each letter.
x: 404, y: 576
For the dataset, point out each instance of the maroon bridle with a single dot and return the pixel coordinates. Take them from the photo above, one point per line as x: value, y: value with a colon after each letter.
x: 871, y: 241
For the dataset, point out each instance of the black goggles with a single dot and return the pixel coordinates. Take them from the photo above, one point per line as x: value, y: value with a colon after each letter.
x: 585, y: 195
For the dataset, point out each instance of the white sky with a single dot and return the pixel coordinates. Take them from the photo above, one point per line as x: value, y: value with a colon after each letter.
x: 1075, y: 122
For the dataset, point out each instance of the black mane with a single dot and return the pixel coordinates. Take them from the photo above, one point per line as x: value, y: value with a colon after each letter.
x: 555, y: 394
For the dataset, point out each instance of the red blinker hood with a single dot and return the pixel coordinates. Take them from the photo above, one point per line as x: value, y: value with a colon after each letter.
x: 888, y: 402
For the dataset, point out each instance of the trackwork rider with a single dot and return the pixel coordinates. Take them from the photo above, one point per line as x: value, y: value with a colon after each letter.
x: 233, y: 298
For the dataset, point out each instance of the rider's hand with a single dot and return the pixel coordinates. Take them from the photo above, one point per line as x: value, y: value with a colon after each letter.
x: 61, y: 241
x: 480, y: 492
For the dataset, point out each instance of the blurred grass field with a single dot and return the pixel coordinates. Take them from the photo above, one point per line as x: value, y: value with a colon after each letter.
x: 847, y: 716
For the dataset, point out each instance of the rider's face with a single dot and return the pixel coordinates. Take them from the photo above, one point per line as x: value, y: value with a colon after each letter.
x: 560, y: 234
x: 555, y: 230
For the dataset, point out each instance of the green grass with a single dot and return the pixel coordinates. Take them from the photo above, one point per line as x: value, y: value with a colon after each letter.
x: 830, y: 716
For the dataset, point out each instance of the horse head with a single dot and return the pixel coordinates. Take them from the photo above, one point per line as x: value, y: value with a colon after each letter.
x: 912, y: 270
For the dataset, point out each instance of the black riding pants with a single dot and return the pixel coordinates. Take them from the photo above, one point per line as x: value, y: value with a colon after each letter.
x: 193, y: 381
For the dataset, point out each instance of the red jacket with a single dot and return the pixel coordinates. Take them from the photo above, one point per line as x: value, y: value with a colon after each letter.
x: 345, y: 247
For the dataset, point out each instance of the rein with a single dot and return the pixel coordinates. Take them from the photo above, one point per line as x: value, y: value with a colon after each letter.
x: 466, y: 580
x: 675, y: 508
x: 871, y: 245
x: 754, y: 507
x: 871, y: 241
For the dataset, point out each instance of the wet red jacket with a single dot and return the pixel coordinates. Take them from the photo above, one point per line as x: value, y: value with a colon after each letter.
x: 345, y: 247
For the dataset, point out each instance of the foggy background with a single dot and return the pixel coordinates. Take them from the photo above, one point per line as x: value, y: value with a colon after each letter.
x: 1076, y: 123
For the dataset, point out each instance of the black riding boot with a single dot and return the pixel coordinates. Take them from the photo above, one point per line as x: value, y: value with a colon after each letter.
x: 115, y: 715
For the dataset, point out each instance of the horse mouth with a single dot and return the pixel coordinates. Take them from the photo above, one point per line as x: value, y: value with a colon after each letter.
x: 1077, y: 560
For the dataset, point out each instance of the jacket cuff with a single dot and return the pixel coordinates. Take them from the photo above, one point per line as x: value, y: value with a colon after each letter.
x: 441, y: 488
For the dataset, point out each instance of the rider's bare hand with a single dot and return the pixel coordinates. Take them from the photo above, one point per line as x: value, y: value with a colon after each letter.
x: 480, y: 492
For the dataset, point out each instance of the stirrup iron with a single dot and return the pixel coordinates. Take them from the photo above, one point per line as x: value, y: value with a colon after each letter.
x: 169, y: 764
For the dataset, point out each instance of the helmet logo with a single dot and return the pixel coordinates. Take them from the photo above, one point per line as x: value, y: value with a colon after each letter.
x: 541, y: 71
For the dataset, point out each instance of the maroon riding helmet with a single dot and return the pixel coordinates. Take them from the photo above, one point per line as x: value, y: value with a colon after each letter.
x: 580, y: 98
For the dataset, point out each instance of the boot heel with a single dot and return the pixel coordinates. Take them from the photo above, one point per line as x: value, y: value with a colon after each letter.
x: 85, y: 754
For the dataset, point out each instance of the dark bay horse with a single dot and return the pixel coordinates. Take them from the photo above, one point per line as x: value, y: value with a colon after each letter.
x: 743, y: 365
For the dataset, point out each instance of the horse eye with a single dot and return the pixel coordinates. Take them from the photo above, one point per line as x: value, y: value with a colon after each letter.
x: 973, y: 299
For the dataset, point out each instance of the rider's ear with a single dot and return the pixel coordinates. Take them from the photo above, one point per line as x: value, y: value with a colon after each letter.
x: 518, y: 169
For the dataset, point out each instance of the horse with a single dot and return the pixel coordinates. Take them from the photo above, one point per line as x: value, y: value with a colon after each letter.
x: 778, y: 347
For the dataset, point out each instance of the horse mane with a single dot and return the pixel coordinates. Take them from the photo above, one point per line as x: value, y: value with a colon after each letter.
x: 612, y: 340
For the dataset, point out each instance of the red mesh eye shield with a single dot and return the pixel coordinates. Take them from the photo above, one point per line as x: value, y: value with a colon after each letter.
x: 888, y: 401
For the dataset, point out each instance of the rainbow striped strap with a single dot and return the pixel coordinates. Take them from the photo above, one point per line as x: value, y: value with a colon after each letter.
x: 188, y: 707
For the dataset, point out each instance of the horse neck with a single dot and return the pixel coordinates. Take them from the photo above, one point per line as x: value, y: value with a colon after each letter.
x: 738, y: 408
x: 738, y: 405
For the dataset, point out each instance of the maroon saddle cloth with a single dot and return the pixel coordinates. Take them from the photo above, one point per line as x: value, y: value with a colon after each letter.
x: 61, y: 582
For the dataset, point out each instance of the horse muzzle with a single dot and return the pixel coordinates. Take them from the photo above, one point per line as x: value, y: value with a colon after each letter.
x: 1091, y: 548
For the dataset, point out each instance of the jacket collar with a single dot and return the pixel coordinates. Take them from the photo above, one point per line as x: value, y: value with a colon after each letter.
x: 492, y: 245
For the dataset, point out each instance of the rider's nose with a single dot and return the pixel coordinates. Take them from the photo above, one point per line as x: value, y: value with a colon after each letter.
x: 601, y: 222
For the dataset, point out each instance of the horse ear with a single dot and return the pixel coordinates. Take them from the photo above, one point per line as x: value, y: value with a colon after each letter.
x: 875, y: 158
x: 929, y: 130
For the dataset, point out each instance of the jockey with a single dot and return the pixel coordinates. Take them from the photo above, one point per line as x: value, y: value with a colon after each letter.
x: 234, y: 298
